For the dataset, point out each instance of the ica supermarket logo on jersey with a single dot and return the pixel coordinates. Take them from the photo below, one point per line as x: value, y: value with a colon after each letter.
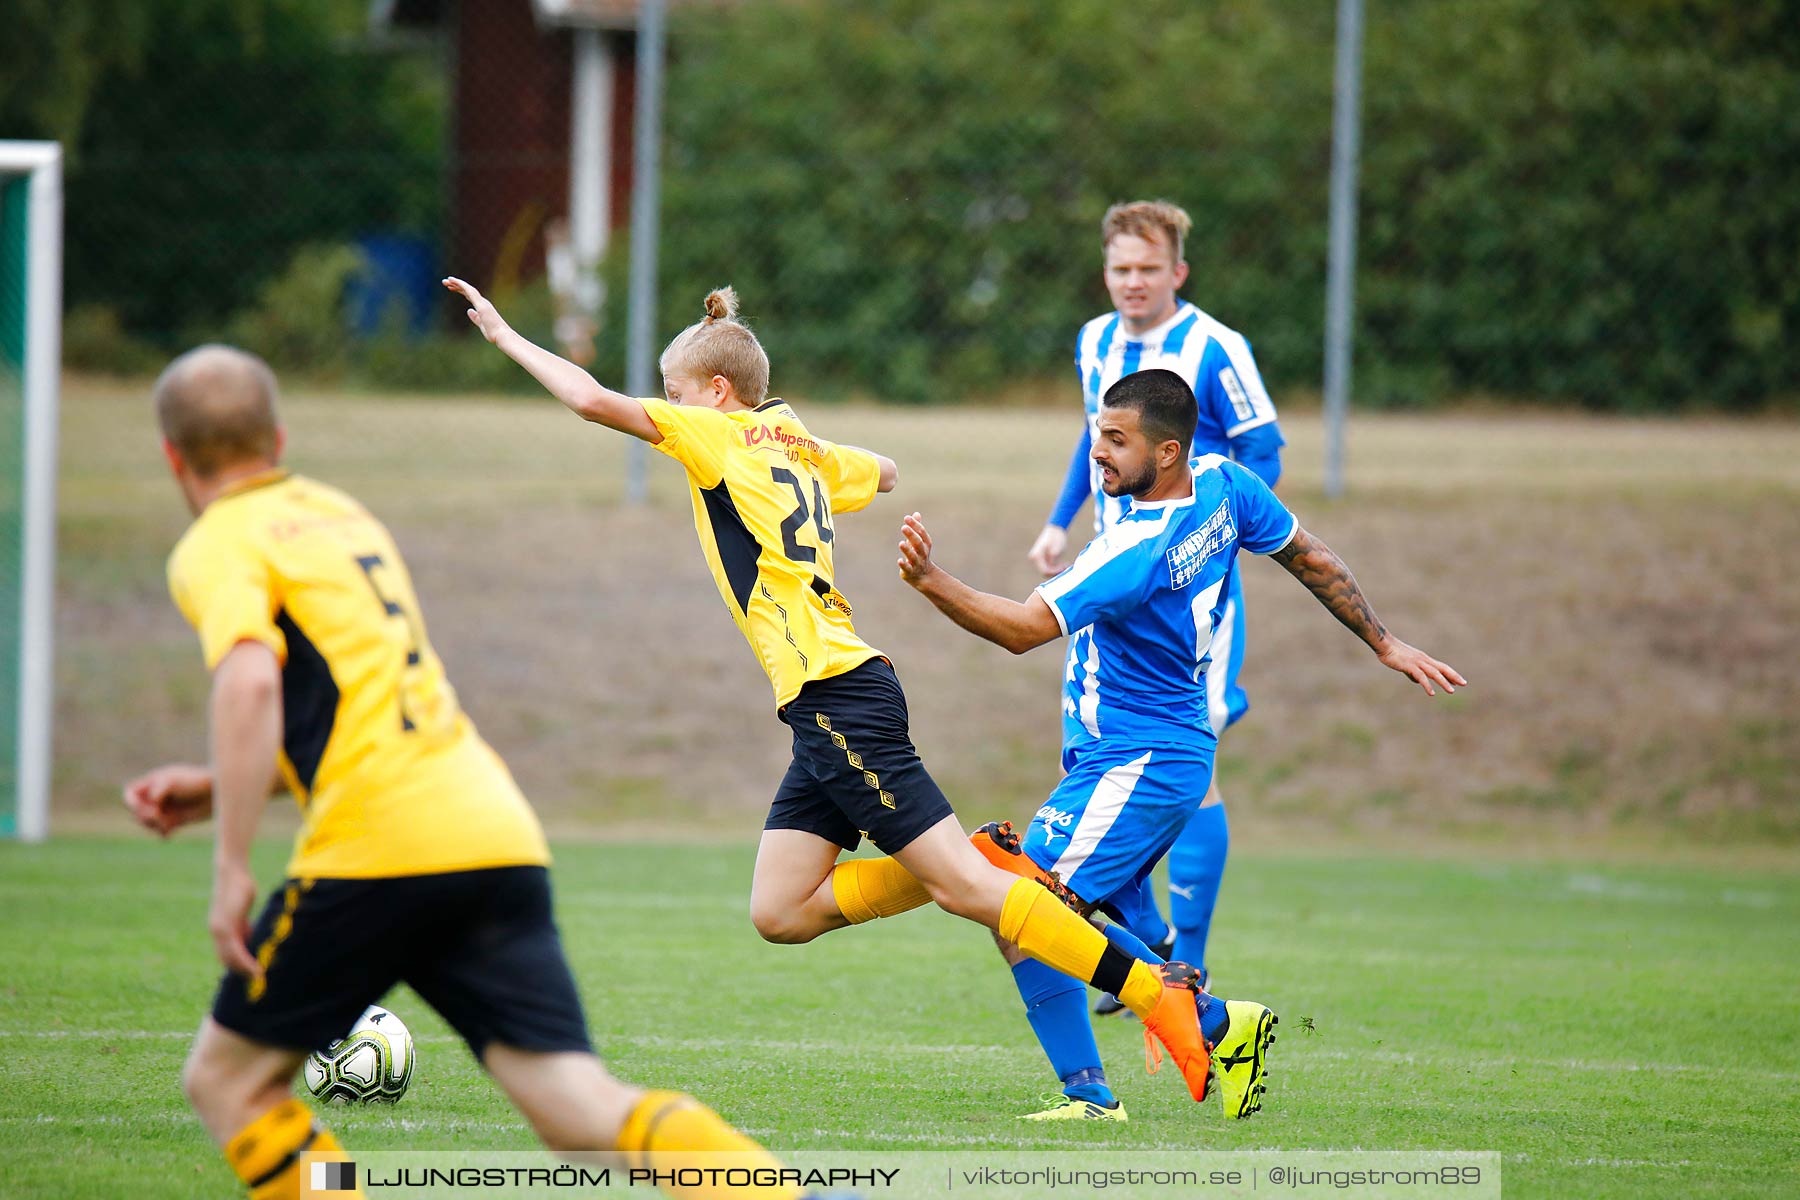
x: 795, y: 445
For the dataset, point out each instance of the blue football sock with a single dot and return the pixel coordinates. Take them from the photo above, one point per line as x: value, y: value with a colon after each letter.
x: 1156, y: 928
x: 1090, y: 1084
x: 1131, y: 944
x: 1212, y: 1010
x: 1196, y: 868
x: 1137, y: 910
x: 1213, y: 1020
x: 1056, y: 1006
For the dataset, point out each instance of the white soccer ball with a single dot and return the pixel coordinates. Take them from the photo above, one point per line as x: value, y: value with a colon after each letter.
x: 373, y: 1063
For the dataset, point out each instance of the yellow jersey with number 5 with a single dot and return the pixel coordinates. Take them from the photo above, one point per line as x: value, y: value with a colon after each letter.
x: 390, y: 775
x: 764, y: 491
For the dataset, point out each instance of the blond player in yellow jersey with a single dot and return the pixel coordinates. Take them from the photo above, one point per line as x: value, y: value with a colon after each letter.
x: 418, y: 859
x: 764, y: 489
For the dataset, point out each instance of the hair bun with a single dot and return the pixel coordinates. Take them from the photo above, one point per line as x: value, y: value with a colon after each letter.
x: 721, y: 304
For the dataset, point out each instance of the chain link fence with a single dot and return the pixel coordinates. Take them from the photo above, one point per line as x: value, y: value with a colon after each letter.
x: 1593, y: 202
x: 1589, y: 202
x: 1570, y: 202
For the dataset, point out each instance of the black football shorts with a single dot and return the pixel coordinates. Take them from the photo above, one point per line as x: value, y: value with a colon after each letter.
x: 481, y: 947
x: 855, y: 772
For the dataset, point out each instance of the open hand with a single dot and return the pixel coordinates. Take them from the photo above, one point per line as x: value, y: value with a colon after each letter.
x: 169, y: 797
x: 1420, y: 667
x: 915, y: 550
x: 228, y: 920
x: 482, y: 313
x: 1046, y: 553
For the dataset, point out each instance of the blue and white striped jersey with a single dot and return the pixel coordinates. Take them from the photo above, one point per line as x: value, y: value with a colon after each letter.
x: 1143, y: 601
x: 1215, y: 360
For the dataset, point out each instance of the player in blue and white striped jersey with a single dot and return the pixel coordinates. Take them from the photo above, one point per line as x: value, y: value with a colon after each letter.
x: 1152, y: 327
x: 1142, y: 607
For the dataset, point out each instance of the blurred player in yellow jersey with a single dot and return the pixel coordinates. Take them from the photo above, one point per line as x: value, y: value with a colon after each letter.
x: 418, y: 859
x: 764, y: 489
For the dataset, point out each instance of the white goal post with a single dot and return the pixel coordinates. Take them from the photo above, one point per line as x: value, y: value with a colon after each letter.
x: 31, y: 213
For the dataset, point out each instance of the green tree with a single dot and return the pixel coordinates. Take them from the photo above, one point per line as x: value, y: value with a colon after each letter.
x: 209, y: 140
x: 1587, y: 199
x: 1596, y: 200
x: 908, y: 194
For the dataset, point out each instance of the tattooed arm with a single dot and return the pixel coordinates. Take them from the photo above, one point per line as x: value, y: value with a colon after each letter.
x: 1314, y: 564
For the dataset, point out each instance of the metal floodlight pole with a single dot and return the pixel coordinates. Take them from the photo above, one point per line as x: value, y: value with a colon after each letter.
x: 640, y: 355
x: 1340, y: 284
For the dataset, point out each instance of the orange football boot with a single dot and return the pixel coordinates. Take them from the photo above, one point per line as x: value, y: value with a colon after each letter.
x: 1001, y: 845
x: 1175, y: 1022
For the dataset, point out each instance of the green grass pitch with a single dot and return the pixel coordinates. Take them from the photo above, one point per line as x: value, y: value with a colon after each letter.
x: 1612, y: 1031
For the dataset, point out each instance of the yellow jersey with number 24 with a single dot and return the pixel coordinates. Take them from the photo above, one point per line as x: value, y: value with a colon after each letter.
x: 764, y: 491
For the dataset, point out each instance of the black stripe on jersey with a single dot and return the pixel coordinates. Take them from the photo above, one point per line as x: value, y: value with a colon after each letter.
x: 738, y: 547
x: 309, y: 701
x: 768, y: 404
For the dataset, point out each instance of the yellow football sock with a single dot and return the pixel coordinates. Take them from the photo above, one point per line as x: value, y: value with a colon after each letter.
x: 1044, y: 928
x: 1143, y: 989
x: 867, y: 888
x: 266, y: 1153
x: 682, y: 1132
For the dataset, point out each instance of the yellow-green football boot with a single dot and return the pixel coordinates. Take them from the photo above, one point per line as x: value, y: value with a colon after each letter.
x: 1240, y: 1059
x: 1070, y: 1108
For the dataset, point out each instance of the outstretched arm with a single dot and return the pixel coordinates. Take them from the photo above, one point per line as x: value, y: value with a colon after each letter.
x: 1007, y: 623
x: 566, y: 381
x: 1314, y: 563
x: 889, y: 472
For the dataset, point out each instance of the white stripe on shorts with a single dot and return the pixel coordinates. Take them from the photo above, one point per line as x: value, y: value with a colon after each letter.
x: 1103, y: 808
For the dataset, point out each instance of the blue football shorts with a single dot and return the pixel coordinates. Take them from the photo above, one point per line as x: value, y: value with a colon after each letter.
x: 1115, y: 814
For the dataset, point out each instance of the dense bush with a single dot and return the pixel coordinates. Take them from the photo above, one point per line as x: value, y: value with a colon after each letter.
x: 1596, y: 199
x: 908, y: 194
x: 209, y: 140
x: 299, y: 322
x: 1593, y: 200
x: 177, y: 209
x: 1588, y: 199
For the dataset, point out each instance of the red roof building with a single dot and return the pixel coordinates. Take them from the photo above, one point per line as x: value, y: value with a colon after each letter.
x: 540, y: 126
